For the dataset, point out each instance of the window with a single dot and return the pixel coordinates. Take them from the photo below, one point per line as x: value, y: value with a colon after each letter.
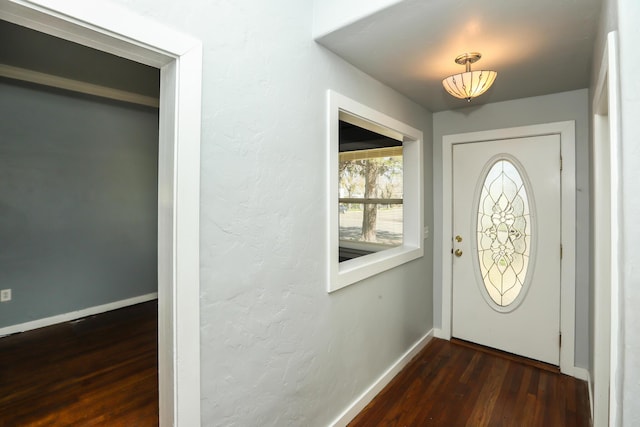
x: 375, y: 200
x: 370, y: 191
x: 504, y: 229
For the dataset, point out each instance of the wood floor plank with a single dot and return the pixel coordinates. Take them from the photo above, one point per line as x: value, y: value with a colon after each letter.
x: 503, y: 413
x: 101, y: 370
x: 452, y: 385
x: 484, y: 407
x: 454, y: 392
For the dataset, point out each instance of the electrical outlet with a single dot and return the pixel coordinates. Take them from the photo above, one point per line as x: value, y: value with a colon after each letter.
x: 5, y: 295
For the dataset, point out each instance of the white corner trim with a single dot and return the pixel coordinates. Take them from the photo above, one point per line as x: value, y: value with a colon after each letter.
x: 50, y: 80
x: 591, y: 402
x: 74, y: 315
x: 365, y: 398
x: 605, y: 380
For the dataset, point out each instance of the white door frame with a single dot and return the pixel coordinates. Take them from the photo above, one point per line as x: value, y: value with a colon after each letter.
x: 107, y: 27
x: 566, y: 130
x: 606, y: 213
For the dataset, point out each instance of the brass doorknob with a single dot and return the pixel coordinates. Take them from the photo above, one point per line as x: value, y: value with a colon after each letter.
x: 458, y: 253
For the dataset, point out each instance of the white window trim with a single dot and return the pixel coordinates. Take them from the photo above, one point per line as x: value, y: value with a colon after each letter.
x: 345, y: 273
x: 365, y: 246
x: 113, y: 29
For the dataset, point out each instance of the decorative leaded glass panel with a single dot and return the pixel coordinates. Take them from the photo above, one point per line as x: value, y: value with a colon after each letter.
x: 504, y: 232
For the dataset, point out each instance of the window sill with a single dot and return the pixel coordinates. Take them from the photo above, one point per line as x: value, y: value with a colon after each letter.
x: 358, y: 269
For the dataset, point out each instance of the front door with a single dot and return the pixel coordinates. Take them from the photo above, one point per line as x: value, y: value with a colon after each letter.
x: 506, y: 246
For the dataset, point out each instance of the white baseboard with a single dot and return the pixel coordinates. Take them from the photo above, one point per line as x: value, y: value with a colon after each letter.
x: 439, y: 333
x: 361, y: 402
x: 579, y: 373
x: 66, y: 317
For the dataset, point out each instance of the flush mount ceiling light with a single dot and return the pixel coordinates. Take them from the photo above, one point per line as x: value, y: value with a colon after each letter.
x: 469, y: 84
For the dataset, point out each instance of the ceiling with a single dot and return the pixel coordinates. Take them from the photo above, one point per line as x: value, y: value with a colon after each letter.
x: 537, y: 47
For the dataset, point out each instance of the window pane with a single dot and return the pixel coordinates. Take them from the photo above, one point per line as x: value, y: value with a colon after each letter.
x: 370, y: 192
x: 387, y: 229
x: 504, y: 228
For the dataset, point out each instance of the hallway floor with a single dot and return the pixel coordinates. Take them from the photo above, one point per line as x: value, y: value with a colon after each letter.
x: 452, y: 384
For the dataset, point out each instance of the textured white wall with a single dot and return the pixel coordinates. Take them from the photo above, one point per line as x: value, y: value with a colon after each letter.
x: 278, y: 350
x: 629, y: 35
x: 329, y: 15
x: 608, y: 22
x: 528, y: 111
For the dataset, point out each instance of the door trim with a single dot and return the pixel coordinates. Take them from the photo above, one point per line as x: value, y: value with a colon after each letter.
x: 113, y: 29
x: 566, y: 130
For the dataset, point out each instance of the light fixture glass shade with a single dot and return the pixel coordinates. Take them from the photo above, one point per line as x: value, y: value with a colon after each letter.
x: 469, y: 84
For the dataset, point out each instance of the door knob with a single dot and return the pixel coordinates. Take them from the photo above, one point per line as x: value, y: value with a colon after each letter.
x: 458, y: 253
x: 458, y: 238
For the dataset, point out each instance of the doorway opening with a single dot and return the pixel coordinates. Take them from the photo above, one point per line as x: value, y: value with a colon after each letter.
x: 117, y: 31
x: 79, y: 223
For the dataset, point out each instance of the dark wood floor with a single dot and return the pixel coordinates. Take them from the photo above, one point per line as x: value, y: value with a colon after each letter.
x: 100, y: 371
x: 452, y: 385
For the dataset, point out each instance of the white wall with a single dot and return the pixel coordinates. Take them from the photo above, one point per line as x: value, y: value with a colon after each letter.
x: 623, y: 15
x: 541, y: 109
x: 629, y: 35
x: 608, y: 22
x: 278, y: 350
x: 330, y: 15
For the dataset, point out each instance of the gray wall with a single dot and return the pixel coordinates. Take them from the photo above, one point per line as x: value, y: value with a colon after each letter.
x: 78, y: 201
x: 528, y: 111
x: 276, y: 348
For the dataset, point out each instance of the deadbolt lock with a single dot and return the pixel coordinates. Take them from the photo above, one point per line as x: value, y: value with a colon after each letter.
x: 458, y: 253
x: 458, y: 238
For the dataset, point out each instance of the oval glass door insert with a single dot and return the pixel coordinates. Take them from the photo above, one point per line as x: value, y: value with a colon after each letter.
x: 504, y: 233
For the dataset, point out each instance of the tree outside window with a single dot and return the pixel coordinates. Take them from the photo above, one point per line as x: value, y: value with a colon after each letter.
x: 370, y: 192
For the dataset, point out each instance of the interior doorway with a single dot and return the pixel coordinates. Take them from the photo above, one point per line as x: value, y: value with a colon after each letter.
x: 79, y: 226
x: 118, y: 31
